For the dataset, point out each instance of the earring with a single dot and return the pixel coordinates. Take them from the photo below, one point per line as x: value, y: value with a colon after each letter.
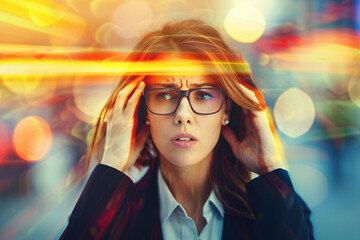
x: 227, y: 122
x: 147, y: 122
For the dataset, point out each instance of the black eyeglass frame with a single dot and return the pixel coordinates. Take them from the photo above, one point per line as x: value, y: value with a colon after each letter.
x: 184, y: 93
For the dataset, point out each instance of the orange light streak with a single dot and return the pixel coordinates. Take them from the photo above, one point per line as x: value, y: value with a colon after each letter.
x: 15, y: 67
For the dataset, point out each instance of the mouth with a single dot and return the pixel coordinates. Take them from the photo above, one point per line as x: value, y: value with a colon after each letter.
x: 184, y: 140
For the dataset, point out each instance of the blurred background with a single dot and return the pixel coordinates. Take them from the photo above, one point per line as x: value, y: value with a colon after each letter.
x: 55, y: 77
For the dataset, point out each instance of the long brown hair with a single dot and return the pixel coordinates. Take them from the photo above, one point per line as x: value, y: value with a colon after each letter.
x: 227, y: 174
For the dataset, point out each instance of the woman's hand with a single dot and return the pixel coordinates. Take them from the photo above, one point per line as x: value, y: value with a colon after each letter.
x: 259, y: 151
x: 121, y: 150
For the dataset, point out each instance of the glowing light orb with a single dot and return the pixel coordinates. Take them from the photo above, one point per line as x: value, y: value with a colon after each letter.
x: 133, y: 18
x: 106, y: 35
x: 294, y: 112
x: 68, y: 29
x: 264, y: 59
x: 354, y: 89
x: 32, y: 138
x: 339, y: 66
x: 104, y: 9
x: 313, y: 184
x: 78, y: 5
x: 245, y: 23
x: 91, y: 93
x: 5, y: 140
x: 46, y: 13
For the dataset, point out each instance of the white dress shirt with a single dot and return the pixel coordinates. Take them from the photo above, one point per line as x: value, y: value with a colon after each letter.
x: 175, y: 223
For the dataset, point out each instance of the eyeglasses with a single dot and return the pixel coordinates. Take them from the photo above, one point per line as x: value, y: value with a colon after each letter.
x: 165, y: 101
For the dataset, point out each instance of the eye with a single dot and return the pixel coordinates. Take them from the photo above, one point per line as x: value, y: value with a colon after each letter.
x: 165, y: 95
x: 204, y: 96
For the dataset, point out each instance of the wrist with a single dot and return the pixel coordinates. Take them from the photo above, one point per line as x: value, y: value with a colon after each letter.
x: 114, y: 163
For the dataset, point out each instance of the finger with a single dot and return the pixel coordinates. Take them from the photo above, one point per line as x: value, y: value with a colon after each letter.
x: 249, y: 93
x: 124, y: 93
x: 134, y: 99
x: 251, y: 127
x: 262, y: 123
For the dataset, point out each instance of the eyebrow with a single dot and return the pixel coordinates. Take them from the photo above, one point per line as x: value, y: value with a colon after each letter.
x: 173, y: 85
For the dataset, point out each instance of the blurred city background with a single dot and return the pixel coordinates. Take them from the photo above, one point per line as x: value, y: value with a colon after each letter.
x: 54, y: 79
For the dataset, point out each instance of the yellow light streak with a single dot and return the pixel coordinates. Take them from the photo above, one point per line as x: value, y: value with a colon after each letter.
x: 17, y: 13
x: 28, y: 24
x: 14, y: 67
x: 34, y: 49
x: 45, y: 13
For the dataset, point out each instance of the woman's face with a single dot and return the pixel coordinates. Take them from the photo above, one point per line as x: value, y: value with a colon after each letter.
x: 184, y: 138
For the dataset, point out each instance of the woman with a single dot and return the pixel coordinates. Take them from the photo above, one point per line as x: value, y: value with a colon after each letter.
x: 195, y: 126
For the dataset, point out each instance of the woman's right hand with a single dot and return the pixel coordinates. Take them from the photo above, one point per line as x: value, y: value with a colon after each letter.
x: 121, y: 150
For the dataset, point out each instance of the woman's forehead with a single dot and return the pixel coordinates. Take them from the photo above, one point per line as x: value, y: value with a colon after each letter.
x: 178, y: 81
x: 182, y: 62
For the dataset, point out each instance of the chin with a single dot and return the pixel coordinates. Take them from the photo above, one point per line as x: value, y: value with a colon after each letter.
x: 183, y: 159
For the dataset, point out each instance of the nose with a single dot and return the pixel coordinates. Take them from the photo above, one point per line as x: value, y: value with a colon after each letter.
x: 184, y: 113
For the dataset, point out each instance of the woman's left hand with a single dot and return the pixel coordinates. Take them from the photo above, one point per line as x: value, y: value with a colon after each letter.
x: 258, y: 151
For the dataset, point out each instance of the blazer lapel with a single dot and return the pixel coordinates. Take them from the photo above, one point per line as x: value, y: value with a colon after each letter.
x: 236, y: 227
x: 146, y: 224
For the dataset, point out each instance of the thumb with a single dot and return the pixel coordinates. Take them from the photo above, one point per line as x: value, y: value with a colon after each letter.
x: 230, y: 137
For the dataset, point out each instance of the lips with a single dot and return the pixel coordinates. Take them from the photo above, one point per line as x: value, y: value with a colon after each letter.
x: 184, y: 137
x: 184, y: 140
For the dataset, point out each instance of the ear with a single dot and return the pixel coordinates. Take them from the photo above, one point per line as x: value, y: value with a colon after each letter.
x: 226, y: 116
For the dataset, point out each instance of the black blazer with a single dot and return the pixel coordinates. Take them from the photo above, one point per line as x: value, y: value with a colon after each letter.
x: 111, y: 206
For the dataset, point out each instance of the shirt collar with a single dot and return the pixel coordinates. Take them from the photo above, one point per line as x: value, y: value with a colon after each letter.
x: 168, y: 203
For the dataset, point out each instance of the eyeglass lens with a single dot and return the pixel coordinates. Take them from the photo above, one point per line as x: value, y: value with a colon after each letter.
x: 165, y: 101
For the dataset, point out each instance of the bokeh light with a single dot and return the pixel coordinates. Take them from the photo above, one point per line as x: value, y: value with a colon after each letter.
x: 69, y: 30
x: 264, y: 59
x: 32, y: 138
x: 106, y: 35
x: 5, y: 140
x: 91, y: 93
x: 312, y: 184
x: 79, y: 5
x: 339, y: 66
x: 133, y: 18
x: 245, y: 23
x: 294, y: 112
x: 104, y: 9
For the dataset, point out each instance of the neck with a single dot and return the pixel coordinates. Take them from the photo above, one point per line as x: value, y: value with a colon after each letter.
x: 190, y: 186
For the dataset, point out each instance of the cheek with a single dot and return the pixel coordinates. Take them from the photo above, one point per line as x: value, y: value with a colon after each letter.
x: 210, y: 129
x: 158, y: 127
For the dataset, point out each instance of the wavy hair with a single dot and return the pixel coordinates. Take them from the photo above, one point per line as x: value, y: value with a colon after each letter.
x: 228, y: 175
